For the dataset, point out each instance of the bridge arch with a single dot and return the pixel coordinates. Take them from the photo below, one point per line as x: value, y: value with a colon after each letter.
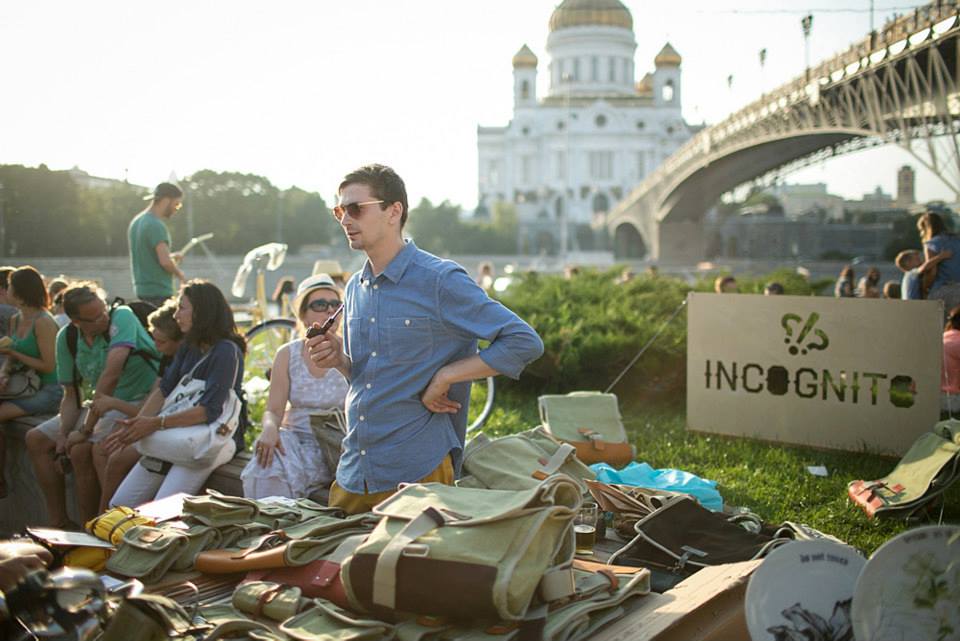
x: 628, y: 242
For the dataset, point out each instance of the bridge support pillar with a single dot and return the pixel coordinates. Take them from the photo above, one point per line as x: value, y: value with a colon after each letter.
x: 680, y: 242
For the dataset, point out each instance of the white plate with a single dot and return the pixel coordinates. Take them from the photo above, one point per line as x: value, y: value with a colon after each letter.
x: 801, y: 586
x: 910, y: 587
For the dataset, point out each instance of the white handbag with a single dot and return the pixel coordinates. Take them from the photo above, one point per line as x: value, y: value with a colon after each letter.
x: 196, y: 445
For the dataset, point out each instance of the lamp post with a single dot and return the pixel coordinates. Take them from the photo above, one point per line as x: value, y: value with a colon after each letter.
x: 807, y: 24
x: 763, y: 62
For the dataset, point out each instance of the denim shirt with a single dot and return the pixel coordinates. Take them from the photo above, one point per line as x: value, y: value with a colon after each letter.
x: 402, y: 326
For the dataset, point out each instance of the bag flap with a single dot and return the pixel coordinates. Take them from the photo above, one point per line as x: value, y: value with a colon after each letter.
x: 469, y: 506
x: 566, y: 415
x: 144, y: 537
x: 949, y: 429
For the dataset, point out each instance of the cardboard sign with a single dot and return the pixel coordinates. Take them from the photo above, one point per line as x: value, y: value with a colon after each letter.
x: 843, y: 373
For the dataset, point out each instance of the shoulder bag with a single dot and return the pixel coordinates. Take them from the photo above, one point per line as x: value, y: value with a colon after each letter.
x: 197, y: 445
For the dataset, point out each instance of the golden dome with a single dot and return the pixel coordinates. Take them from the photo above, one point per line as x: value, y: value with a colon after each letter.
x: 524, y: 58
x: 580, y: 13
x: 645, y: 86
x: 668, y: 57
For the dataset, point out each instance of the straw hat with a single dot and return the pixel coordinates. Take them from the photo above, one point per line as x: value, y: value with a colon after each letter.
x: 307, y: 285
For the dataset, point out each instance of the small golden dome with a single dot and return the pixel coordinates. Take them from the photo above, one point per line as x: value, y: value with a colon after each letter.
x: 579, y: 13
x: 524, y: 58
x: 668, y: 57
x: 645, y: 86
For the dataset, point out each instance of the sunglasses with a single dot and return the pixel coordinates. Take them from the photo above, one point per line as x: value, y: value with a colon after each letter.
x: 322, y: 305
x: 353, y: 209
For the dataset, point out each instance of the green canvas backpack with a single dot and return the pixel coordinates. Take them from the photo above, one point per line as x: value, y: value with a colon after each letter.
x: 590, y: 421
x: 466, y: 553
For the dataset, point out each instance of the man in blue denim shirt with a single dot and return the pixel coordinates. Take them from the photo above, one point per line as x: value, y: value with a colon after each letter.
x: 409, y: 349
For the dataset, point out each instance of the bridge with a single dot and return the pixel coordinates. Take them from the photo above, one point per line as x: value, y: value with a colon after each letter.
x: 897, y: 86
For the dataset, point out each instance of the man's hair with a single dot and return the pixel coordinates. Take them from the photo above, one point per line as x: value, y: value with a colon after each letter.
x: 891, y: 289
x: 26, y: 283
x: 953, y: 319
x: 212, y: 316
x: 162, y: 319
x: 5, y: 276
x: 384, y: 184
x: 905, y: 256
x: 721, y: 281
x: 773, y: 289
x: 930, y: 225
x: 166, y: 190
x: 77, y: 295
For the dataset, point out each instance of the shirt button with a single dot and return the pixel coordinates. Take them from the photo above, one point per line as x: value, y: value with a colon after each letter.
x: 363, y: 452
x: 376, y: 286
x: 362, y: 417
x: 369, y: 385
x: 406, y: 322
x: 373, y: 320
x: 373, y: 353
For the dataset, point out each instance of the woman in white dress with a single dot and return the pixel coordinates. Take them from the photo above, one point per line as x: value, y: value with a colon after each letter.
x: 288, y: 460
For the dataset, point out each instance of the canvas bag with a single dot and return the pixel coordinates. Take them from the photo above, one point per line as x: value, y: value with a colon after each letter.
x: 466, y: 553
x: 925, y: 472
x: 196, y: 445
x: 519, y: 461
x: 590, y: 421
x: 23, y: 382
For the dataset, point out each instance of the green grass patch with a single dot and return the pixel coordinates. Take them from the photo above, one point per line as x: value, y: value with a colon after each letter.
x: 768, y: 479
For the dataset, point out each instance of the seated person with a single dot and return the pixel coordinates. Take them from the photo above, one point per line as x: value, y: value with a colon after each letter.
x: 288, y: 459
x: 950, y: 372
x: 725, y: 285
x: 111, y: 470
x: 7, y: 308
x: 212, y: 352
x: 891, y: 290
x: 32, y: 345
x: 773, y: 288
x: 869, y: 285
x: 54, y: 288
x: 914, y: 268
x: 113, y: 353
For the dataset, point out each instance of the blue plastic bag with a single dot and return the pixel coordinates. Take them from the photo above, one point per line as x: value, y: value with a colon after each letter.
x: 642, y: 475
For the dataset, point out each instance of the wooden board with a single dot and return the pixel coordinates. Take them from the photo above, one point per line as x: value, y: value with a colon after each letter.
x: 708, y: 606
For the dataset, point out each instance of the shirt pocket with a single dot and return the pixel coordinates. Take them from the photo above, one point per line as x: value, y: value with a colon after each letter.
x: 411, y: 339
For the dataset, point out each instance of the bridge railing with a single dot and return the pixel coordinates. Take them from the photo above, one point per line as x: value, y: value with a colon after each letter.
x: 892, y: 38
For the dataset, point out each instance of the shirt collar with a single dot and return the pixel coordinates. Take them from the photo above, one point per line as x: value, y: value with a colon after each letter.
x: 396, y: 268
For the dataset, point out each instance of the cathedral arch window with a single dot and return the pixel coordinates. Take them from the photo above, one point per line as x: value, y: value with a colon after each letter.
x: 576, y: 68
x: 601, y: 203
x: 595, y: 69
x: 612, y: 70
x: 525, y: 90
x: 667, y: 93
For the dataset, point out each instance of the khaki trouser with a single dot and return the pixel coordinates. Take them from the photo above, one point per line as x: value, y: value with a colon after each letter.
x: 356, y: 503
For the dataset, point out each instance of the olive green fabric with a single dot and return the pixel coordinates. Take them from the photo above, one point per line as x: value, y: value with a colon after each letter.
x: 515, y: 462
x: 930, y: 466
x: 199, y: 538
x: 565, y: 414
x: 150, y: 617
x: 461, y: 552
x: 216, y: 509
x: 147, y: 553
x: 266, y: 599
x: 326, y: 622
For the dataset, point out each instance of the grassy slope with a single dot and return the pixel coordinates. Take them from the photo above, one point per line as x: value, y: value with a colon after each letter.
x: 770, y: 480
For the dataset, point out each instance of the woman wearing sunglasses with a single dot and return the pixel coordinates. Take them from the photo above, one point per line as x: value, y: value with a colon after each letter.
x: 288, y: 459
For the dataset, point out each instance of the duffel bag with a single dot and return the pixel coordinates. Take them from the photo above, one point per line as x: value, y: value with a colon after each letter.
x: 590, y: 421
x: 466, y: 553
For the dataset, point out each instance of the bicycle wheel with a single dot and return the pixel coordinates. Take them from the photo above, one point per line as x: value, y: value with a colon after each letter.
x: 481, y: 404
x: 263, y: 341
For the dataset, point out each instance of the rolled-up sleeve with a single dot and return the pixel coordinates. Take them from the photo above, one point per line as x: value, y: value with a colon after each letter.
x: 467, y: 310
x: 219, y: 375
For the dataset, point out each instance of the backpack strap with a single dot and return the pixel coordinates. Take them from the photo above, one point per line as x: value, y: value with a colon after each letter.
x: 73, y: 335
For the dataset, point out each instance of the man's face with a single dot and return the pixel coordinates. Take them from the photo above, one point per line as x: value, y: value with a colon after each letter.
x: 371, y: 224
x: 169, y: 206
x: 92, y: 318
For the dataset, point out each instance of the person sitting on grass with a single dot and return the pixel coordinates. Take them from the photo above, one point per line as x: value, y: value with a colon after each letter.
x: 32, y: 346
x: 288, y: 459
x: 110, y: 351
x: 111, y: 470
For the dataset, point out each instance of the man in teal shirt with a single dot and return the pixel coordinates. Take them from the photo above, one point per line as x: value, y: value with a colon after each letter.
x: 116, y: 357
x: 151, y: 262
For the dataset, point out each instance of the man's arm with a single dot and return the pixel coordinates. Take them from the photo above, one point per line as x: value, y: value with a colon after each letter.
x: 166, y: 260
x: 107, y: 383
x: 466, y: 369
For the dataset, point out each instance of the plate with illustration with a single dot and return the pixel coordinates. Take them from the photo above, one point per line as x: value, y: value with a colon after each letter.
x: 803, y: 590
x: 910, y: 588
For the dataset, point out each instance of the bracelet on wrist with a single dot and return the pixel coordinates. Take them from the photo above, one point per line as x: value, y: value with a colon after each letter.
x: 162, y: 422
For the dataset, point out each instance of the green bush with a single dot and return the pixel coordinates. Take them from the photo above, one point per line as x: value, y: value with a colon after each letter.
x: 592, y: 327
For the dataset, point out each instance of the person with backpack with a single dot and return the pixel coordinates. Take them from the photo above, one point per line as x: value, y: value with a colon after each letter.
x: 200, y: 390
x: 109, y: 351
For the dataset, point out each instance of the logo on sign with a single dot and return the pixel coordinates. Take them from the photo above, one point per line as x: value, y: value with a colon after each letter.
x: 798, y: 345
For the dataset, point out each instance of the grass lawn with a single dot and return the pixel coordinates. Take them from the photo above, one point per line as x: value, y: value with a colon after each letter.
x: 770, y: 480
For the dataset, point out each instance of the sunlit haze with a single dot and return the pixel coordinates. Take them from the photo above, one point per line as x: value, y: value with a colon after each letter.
x: 301, y: 92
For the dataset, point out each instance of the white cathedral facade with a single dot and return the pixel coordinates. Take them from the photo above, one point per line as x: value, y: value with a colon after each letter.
x: 567, y: 158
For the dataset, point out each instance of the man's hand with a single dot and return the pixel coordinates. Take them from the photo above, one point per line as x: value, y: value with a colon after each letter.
x: 176, y: 256
x: 102, y: 403
x: 4, y: 380
x: 435, y: 396
x: 130, y: 430
x: 326, y: 350
x: 19, y: 559
x: 268, y: 443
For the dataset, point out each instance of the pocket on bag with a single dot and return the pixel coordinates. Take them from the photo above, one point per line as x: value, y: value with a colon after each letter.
x: 410, y: 339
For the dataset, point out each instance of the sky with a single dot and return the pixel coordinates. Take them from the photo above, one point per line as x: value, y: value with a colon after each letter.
x: 304, y: 91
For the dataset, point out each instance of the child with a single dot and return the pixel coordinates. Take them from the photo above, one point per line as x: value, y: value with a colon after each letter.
x: 911, y: 263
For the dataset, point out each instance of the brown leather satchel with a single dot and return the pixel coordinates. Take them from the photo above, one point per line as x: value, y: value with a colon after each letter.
x: 233, y: 561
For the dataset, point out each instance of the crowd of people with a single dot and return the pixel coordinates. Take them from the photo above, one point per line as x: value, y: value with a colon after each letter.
x: 147, y: 399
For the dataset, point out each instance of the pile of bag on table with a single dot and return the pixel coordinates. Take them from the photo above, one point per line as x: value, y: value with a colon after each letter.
x: 432, y: 561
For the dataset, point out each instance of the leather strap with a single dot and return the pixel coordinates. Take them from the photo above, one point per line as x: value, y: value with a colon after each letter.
x: 385, y: 572
x: 555, y: 462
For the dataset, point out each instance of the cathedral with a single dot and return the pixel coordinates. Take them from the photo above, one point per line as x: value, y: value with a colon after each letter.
x: 568, y: 157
